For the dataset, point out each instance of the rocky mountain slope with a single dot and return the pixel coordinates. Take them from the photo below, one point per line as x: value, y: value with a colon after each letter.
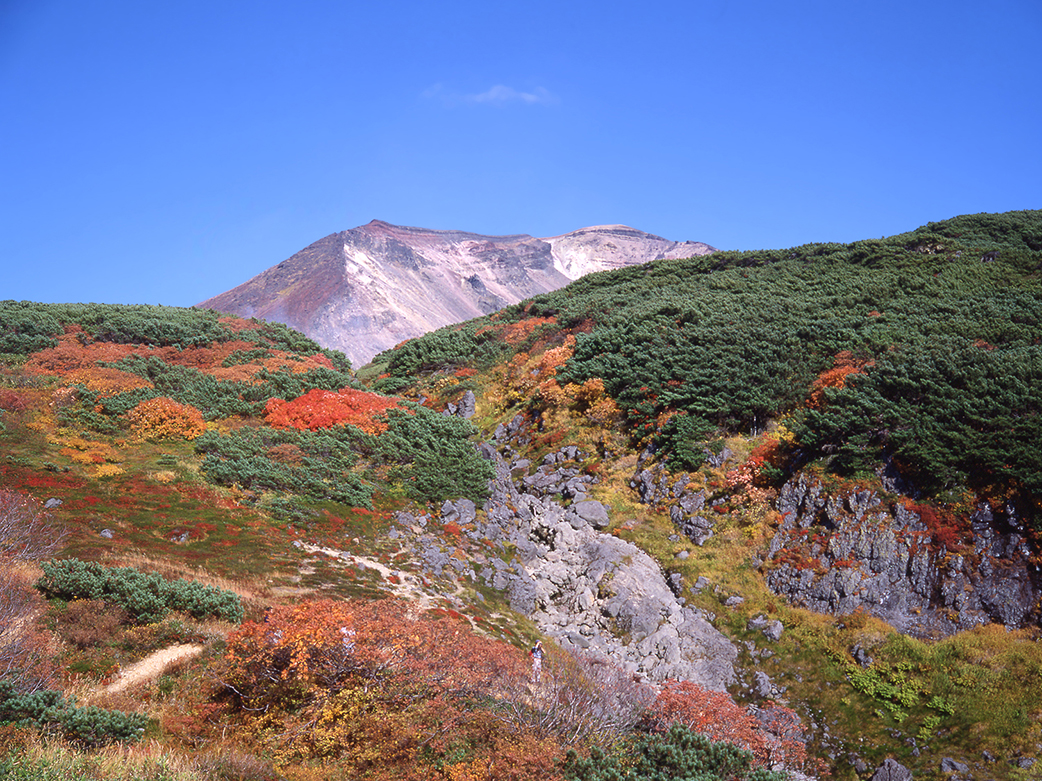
x: 832, y: 453
x: 790, y: 499
x: 364, y: 290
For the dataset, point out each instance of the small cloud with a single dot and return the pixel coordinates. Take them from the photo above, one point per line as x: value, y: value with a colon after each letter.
x: 498, y: 95
x: 504, y: 94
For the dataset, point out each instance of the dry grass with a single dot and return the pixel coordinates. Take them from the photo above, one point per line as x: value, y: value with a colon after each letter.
x: 252, y: 591
x: 54, y: 760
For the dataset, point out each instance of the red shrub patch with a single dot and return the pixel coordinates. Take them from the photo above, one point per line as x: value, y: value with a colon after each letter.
x: 947, y: 529
x: 12, y: 401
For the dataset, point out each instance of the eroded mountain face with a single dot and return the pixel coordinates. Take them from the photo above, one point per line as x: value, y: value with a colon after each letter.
x: 364, y: 290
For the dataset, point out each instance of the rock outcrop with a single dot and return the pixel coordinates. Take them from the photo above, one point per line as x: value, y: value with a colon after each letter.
x: 688, y: 508
x: 591, y: 591
x: 364, y: 290
x: 835, y: 553
x: 596, y: 592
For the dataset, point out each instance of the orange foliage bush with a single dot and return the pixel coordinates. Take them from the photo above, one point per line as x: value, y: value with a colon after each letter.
x: 85, y: 451
x: 844, y: 365
x: 556, y: 357
x: 365, y: 683
x: 237, y: 324
x: 773, y: 736
x: 106, y: 381
x: 515, y: 333
x: 322, y: 409
x: 328, y: 644
x: 163, y: 418
x: 75, y: 351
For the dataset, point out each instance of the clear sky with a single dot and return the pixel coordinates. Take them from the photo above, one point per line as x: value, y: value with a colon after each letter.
x: 163, y: 151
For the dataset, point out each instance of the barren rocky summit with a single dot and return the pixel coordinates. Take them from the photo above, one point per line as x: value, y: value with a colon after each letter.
x: 364, y: 290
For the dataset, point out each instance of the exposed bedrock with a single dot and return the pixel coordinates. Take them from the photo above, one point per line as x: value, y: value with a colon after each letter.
x: 590, y: 590
x: 835, y: 553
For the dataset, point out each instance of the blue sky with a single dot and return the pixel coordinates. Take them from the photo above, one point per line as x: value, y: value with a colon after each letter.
x: 163, y: 152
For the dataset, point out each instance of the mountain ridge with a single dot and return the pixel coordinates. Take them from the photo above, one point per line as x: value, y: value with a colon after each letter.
x: 366, y: 289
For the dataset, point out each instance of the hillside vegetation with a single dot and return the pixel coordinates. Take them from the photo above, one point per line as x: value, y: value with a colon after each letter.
x: 924, y: 348
x: 175, y: 476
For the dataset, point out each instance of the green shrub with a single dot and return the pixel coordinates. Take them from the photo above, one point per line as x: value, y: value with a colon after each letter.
x: 312, y: 464
x: 433, y: 455
x: 678, y: 755
x: 87, y: 726
x: 147, y: 597
x: 446, y: 348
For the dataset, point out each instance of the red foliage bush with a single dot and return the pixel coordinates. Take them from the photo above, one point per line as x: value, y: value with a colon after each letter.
x: 947, y: 529
x: 12, y: 401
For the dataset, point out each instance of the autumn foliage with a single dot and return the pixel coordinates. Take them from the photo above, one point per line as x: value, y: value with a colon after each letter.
x: 844, y: 365
x: 163, y: 418
x: 516, y: 333
x: 773, y: 734
x: 321, y: 409
x: 374, y: 688
x: 386, y: 692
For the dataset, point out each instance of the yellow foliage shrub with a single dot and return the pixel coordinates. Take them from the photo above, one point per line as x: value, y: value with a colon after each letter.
x: 163, y: 418
x: 85, y: 451
x: 552, y: 394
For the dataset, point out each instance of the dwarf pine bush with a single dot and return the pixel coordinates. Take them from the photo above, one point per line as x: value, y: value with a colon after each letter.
x: 146, y: 596
x: 88, y: 726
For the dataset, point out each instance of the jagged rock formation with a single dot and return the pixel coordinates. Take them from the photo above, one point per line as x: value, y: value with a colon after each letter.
x: 594, y: 591
x: 836, y: 553
x: 687, y: 507
x: 364, y: 290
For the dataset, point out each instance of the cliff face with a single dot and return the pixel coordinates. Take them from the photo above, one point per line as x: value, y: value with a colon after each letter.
x: 837, y: 553
x: 364, y: 290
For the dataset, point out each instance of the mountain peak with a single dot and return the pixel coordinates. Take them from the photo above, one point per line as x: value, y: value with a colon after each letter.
x: 366, y: 289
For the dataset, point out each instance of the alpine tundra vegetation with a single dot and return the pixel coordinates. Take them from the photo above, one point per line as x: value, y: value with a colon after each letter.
x: 770, y: 513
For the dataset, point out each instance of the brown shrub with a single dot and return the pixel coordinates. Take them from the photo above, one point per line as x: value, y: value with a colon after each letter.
x: 87, y: 623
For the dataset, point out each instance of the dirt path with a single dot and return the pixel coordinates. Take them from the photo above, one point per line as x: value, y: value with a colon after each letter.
x: 406, y: 585
x: 152, y: 665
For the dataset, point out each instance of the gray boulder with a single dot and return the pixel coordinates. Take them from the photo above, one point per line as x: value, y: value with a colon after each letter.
x: 892, y: 770
x: 592, y: 512
x: 468, y: 405
x: 949, y: 765
x: 773, y: 631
